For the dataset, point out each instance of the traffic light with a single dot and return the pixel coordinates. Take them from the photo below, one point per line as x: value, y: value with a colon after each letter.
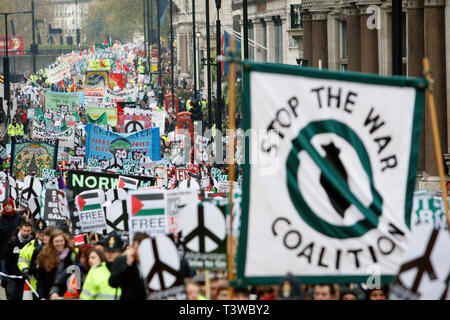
x: 2, y: 78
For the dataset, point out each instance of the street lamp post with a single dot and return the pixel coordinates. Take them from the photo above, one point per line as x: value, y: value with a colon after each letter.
x: 6, y: 88
x: 145, y: 26
x: 245, y: 26
x: 34, y: 48
x: 208, y: 66
x: 194, y: 53
x: 218, y: 111
x: 158, y: 23
x: 171, y: 58
x: 198, y: 35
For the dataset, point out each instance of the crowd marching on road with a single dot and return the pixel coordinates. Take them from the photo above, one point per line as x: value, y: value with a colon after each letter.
x: 99, y: 171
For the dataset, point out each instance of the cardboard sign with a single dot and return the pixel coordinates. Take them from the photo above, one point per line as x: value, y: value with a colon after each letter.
x: 52, y: 213
x: 160, y: 266
x: 424, y: 274
x: 203, y: 235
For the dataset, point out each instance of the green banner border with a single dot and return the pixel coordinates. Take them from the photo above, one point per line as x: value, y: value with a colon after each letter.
x: 419, y: 84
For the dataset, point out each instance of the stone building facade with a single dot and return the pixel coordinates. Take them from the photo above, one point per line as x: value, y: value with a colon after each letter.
x: 68, y: 16
x: 356, y: 36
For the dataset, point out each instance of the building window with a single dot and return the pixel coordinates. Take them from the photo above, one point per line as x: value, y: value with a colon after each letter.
x: 236, y: 23
x: 343, y: 44
x: 296, y: 16
x: 278, y: 41
x: 251, y: 38
x: 264, y: 39
x: 292, y: 42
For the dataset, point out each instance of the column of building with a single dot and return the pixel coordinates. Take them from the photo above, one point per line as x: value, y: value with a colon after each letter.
x: 416, y: 47
x: 320, y: 37
x: 354, y: 39
x: 434, y: 22
x: 369, y: 43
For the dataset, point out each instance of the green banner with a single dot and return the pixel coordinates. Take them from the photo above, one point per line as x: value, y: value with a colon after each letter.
x: 111, y: 114
x: 100, y: 64
x: 63, y: 102
x: 100, y: 121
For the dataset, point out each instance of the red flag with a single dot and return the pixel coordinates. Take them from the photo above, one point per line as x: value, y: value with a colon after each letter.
x: 125, y: 68
x: 78, y: 240
x: 106, y: 41
x: 92, y: 47
x: 118, y: 64
x: 102, y: 64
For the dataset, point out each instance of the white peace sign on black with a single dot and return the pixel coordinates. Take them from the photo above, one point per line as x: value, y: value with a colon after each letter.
x: 116, y: 212
x: 204, y: 222
x: 159, y: 262
x: 133, y: 126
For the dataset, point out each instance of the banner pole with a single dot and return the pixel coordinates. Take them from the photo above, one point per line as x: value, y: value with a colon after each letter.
x: 230, y: 154
x: 207, y: 285
x: 436, y: 139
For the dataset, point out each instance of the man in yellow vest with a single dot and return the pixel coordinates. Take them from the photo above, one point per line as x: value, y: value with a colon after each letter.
x: 15, y: 129
x: 24, y: 262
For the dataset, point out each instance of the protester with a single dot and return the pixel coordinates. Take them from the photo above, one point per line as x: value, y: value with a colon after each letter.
x: 15, y: 129
x: 290, y: 289
x: 377, y: 294
x: 96, y: 286
x: 193, y: 290
x: 14, y: 288
x: 26, y: 253
x: 323, y: 292
x: 9, y: 221
x: 223, y: 291
x: 348, y: 294
x: 125, y: 272
x: 241, y: 293
x: 53, y: 260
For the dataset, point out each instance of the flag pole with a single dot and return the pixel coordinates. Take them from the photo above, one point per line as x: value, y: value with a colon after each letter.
x: 437, y: 141
x: 230, y: 153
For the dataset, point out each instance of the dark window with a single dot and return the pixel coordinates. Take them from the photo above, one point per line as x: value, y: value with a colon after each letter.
x: 296, y: 16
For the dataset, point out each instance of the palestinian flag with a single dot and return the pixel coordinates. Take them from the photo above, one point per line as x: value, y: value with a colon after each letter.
x: 146, y: 203
x: 90, y: 200
x: 128, y: 183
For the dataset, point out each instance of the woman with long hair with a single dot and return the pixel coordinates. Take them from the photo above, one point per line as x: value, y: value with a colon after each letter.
x: 53, y: 260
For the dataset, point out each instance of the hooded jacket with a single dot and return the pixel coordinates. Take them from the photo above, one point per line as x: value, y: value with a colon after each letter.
x: 8, y: 224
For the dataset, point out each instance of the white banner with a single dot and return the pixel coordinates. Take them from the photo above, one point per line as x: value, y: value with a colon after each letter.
x: 66, y: 138
x: 58, y: 73
x: 110, y: 97
x: 333, y: 161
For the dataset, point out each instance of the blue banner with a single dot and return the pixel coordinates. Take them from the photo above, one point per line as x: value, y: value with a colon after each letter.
x: 123, y: 153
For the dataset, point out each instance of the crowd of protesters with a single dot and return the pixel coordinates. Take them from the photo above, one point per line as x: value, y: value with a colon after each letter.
x: 106, y: 268
x: 50, y: 263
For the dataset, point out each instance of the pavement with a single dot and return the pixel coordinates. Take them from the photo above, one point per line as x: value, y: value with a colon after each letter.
x: 2, y: 294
